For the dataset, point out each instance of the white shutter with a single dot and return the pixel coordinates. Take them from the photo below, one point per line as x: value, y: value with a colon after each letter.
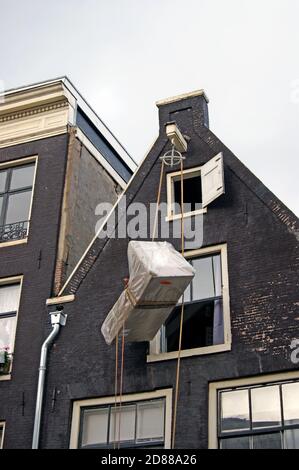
x: 212, y: 179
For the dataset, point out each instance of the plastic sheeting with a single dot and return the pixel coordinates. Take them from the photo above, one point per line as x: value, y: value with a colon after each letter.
x: 158, y: 277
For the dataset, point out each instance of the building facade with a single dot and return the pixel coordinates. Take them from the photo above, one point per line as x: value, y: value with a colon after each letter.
x: 54, y: 153
x: 239, y: 377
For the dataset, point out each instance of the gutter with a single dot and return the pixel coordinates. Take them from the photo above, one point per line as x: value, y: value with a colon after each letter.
x: 58, y: 319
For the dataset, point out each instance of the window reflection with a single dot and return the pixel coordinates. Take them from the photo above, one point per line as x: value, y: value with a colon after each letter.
x: 249, y: 416
x: 235, y: 410
x: 290, y: 395
x: 265, y: 407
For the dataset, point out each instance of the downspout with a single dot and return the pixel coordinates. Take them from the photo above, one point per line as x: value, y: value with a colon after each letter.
x: 58, y: 319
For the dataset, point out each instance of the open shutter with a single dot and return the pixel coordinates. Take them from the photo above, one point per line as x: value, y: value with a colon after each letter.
x: 212, y: 179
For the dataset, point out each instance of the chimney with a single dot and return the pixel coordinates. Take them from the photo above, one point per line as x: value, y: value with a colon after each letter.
x: 188, y: 111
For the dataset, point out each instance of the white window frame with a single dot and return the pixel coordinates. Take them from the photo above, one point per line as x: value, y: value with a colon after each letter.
x: 3, y: 282
x: 155, y: 354
x: 170, y: 179
x: 164, y: 393
x: 2, y: 425
x: 215, y: 387
x: 11, y: 164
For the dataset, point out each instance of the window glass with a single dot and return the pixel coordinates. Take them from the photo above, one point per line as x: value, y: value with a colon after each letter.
x: 3, y: 175
x: 207, y: 280
x: 7, y: 332
x: 22, y: 177
x: 130, y: 424
x: 202, y: 326
x: 291, y: 437
x: 265, y: 406
x: 150, y: 420
x: 241, y: 442
x: 290, y: 395
x: 126, y: 432
x: 95, y: 426
x: 267, y: 441
x: 235, y: 410
x: 18, y: 207
x: 1, y: 204
x: 9, y: 298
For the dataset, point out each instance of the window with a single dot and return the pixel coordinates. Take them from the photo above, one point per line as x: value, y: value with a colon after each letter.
x: 202, y: 185
x: 206, y: 309
x: 258, y: 416
x: 143, y: 420
x: 2, y: 428
x: 16, y: 183
x: 9, y: 303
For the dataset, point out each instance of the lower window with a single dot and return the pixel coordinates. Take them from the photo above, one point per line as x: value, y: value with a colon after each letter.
x: 206, y: 325
x: 142, y: 420
x: 9, y: 303
x: 259, y: 416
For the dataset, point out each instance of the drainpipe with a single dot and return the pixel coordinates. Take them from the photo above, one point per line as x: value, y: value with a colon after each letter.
x: 58, y: 319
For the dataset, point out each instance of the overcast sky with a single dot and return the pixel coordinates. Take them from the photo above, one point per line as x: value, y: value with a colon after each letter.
x: 123, y: 55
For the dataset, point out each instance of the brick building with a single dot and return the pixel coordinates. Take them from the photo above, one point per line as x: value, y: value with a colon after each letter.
x: 239, y: 379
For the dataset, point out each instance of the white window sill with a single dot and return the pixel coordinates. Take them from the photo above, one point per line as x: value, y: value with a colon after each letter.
x: 13, y: 242
x: 189, y: 352
x: 169, y: 218
x: 5, y: 377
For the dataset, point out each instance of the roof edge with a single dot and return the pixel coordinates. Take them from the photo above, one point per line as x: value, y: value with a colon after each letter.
x: 183, y: 96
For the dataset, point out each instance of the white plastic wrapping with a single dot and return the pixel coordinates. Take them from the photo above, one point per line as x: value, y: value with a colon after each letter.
x: 158, y: 277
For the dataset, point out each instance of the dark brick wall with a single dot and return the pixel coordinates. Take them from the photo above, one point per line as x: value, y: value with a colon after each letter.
x: 263, y: 273
x: 263, y: 265
x: 90, y: 185
x: 36, y: 262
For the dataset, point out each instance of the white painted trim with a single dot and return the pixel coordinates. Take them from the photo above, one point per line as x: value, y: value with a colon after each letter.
x: 55, y: 90
x: 155, y: 356
x: 170, y: 178
x: 34, y: 126
x: 60, y: 300
x: 214, y: 387
x: 18, y: 162
x: 183, y: 96
x: 2, y: 425
x: 4, y: 282
x: 140, y: 396
x: 217, y: 348
x: 99, y: 157
x: 14, y: 242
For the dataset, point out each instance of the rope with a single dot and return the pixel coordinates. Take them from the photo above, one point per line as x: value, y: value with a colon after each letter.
x: 177, y: 382
x: 115, y: 389
x: 121, y: 380
x: 158, y: 201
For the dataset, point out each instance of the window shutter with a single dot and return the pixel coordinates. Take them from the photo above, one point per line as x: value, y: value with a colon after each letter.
x: 212, y: 179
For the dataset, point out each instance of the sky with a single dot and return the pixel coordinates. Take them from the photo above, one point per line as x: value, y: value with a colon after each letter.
x: 124, y: 55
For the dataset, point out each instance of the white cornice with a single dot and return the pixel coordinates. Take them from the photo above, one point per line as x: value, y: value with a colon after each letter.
x: 33, y: 111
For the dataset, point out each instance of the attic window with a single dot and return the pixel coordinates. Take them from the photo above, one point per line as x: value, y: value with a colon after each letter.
x: 192, y: 191
x: 202, y: 185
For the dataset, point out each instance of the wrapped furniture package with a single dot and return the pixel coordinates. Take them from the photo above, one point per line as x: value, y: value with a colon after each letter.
x: 158, y: 277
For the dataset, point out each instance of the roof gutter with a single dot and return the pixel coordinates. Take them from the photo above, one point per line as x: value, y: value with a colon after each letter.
x: 58, y: 319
